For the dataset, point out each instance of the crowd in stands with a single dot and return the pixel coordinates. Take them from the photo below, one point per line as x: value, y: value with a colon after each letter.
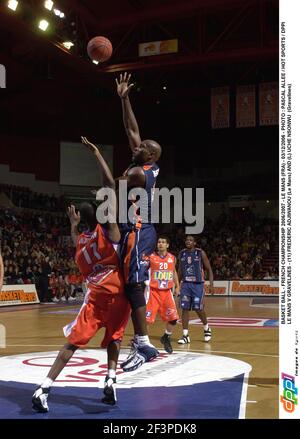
x: 236, y: 244
x: 36, y: 245
x: 36, y: 248
x: 24, y: 197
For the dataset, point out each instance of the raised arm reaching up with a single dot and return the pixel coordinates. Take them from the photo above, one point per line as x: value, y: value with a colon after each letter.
x: 108, y: 180
x: 74, y: 220
x: 130, y: 123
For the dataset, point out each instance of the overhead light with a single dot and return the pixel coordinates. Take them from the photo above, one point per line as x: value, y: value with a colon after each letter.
x: 164, y: 87
x: 49, y: 5
x: 268, y: 201
x: 68, y: 44
x: 12, y: 4
x: 95, y: 62
x: 43, y: 24
x: 58, y: 13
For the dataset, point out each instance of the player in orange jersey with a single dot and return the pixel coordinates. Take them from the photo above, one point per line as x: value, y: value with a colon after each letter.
x: 163, y: 277
x: 105, y: 303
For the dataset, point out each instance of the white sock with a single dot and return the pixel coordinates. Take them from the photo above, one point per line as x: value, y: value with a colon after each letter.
x: 185, y: 332
x: 143, y: 340
x: 168, y: 333
x: 111, y: 373
x: 205, y: 327
x: 47, y: 383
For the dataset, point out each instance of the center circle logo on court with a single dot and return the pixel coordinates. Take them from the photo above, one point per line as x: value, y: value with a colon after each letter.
x: 181, y: 385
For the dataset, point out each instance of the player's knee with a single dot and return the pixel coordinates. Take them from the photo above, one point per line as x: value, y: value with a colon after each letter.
x: 135, y: 295
x: 185, y: 305
x: 70, y: 347
x: 173, y: 322
x: 114, y: 343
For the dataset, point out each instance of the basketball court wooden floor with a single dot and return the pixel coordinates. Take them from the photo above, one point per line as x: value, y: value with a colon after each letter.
x: 233, y: 376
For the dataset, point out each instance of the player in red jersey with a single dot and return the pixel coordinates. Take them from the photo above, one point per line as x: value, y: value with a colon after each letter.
x: 105, y: 303
x: 163, y: 277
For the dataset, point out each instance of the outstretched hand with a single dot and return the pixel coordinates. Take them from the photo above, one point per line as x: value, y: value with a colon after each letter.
x: 93, y: 148
x: 73, y: 216
x: 123, y: 86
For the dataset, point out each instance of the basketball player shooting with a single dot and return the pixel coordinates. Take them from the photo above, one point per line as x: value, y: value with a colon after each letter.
x: 138, y: 238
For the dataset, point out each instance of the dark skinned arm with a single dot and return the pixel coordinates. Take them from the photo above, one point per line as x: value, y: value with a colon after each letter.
x: 176, y: 282
x: 207, y: 267
x: 135, y: 178
x: 112, y: 228
x: 129, y: 120
x: 74, y: 218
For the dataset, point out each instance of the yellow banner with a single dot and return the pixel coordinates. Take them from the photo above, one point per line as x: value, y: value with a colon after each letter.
x: 18, y: 295
x: 158, y: 47
x: 263, y: 288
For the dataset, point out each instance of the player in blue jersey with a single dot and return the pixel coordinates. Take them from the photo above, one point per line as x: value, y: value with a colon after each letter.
x: 192, y: 262
x: 138, y: 237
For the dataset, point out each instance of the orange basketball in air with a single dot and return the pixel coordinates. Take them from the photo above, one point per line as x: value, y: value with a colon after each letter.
x: 99, y: 49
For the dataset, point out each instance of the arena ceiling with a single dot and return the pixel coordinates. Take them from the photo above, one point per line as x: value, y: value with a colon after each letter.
x: 220, y: 42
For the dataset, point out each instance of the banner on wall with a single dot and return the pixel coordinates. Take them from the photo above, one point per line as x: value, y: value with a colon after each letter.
x: 220, y: 107
x: 268, y: 103
x: 243, y: 288
x: 18, y: 295
x: 221, y: 288
x: 254, y: 288
x: 245, y: 106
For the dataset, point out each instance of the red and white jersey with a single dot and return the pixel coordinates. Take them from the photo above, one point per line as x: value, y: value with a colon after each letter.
x: 96, y: 256
x: 162, y: 271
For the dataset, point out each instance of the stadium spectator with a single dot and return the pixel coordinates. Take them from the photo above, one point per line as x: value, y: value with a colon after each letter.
x: 236, y: 248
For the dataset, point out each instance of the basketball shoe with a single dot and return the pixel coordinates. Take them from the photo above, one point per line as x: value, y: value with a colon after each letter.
x: 185, y: 339
x: 166, y: 341
x: 132, y: 352
x: 39, y: 400
x: 110, y: 393
x: 142, y: 355
x: 207, y: 334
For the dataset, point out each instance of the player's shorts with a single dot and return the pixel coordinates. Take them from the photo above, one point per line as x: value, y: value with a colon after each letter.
x: 137, y: 244
x: 192, y: 296
x: 99, y: 310
x: 162, y: 302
